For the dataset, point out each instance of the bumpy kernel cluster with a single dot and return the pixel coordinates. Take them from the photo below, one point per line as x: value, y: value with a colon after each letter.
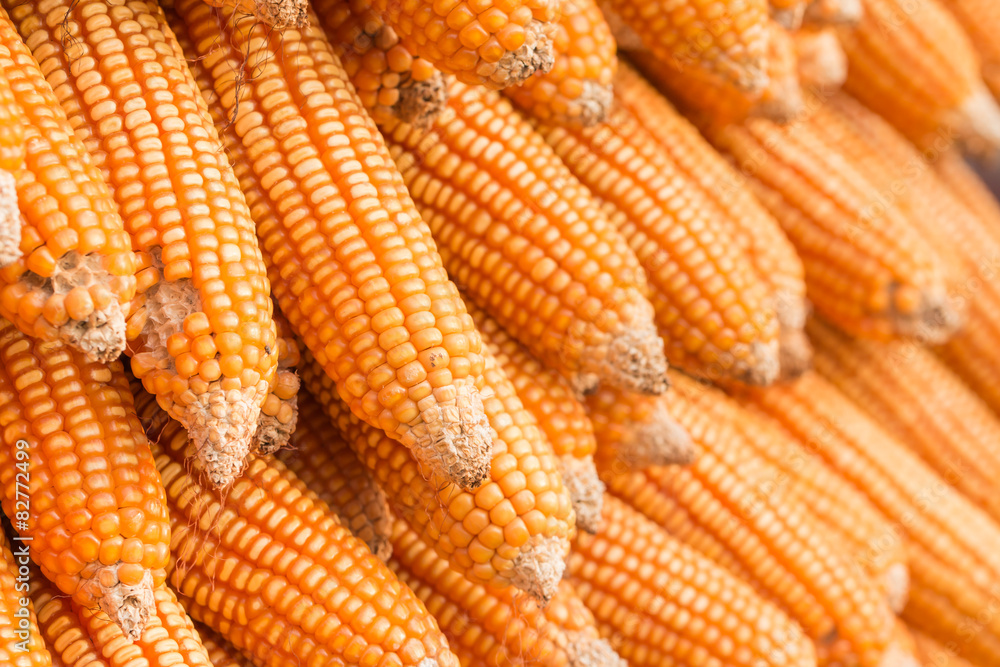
x: 643, y: 584
x: 11, y: 629
x: 97, y: 507
x: 220, y: 651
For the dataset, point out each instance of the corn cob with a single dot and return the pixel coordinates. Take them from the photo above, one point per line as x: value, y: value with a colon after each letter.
x: 560, y: 415
x: 97, y: 519
x: 21, y: 644
x: 822, y: 61
x: 834, y: 12
x: 723, y: 505
x: 788, y: 13
x: 954, y: 566
x: 206, y: 343
x: 328, y: 466
x: 867, y: 270
x: 915, y: 66
x: 981, y: 20
x: 277, y: 14
x: 352, y: 265
x: 636, y: 431
x: 918, y: 400
x: 782, y: 100
x: 270, y: 568
x: 80, y: 637
x: 11, y: 158
x: 934, y: 654
x: 722, y: 42
x: 390, y: 81
x: 280, y: 412
x: 73, y: 275
x: 490, y: 627
x: 901, y: 652
x: 513, y: 530
x: 492, y: 44
x: 662, y: 604
x: 849, y: 518
x: 220, y: 651
x: 577, y: 90
x: 526, y: 240
x: 708, y: 300
x: 771, y: 253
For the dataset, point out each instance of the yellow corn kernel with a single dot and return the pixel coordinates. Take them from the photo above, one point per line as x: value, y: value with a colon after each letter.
x: 21, y: 642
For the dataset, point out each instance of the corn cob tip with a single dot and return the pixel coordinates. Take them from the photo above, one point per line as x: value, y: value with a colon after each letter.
x: 586, y: 490
x: 795, y: 352
x: 896, y: 581
x: 785, y: 101
x: 659, y: 441
x: 128, y: 607
x: 791, y: 18
x: 101, y: 333
x: 834, y: 12
x: 585, y: 651
x: 10, y: 220
x: 535, y: 55
x: 978, y: 122
x: 222, y: 424
x: 272, y: 434
x: 454, y: 437
x: 420, y: 102
x: 636, y: 361
x: 933, y: 321
x: 822, y: 62
x: 594, y: 101
x: 540, y: 566
x: 763, y: 368
x: 282, y: 14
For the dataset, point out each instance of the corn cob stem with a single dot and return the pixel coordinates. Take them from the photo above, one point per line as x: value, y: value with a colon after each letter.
x: 80, y: 637
x: 494, y: 627
x: 21, y: 643
x: 577, y: 90
x: 270, y: 568
x: 278, y: 14
x: 661, y: 604
x: 391, y: 82
x: 327, y: 465
x: 525, y: 238
x: 954, y: 566
x: 411, y: 366
x: 513, y: 530
x: 73, y: 422
x: 560, y: 415
x: 76, y: 273
x: 205, y: 343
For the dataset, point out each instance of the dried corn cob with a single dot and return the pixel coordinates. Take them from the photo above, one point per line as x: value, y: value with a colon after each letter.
x: 834, y: 12
x: 270, y: 568
x: 525, y: 239
x: 707, y: 297
x: 867, y: 270
x: 917, y: 399
x: 97, y: 517
x: 770, y: 251
x: 636, y: 431
x: 390, y: 81
x: 965, y: 184
x: 822, y: 61
x: 577, y: 90
x: 206, y: 343
x: 11, y: 158
x: 954, y: 566
x: 280, y: 411
x: 81, y: 637
x: 934, y: 654
x: 560, y: 416
x: 74, y: 275
x: 490, y: 627
x: 277, y: 14
x: 328, y: 466
x: 513, y: 530
x: 723, y: 506
x: 352, y: 265
x: 913, y: 64
x: 874, y: 544
x: 788, y: 13
x: 492, y: 44
x: 661, y: 604
x: 724, y: 42
x: 981, y: 21
x: 21, y: 644
x: 220, y: 651
x: 782, y: 100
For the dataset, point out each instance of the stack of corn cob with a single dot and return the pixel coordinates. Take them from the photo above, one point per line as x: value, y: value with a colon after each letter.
x: 399, y: 284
